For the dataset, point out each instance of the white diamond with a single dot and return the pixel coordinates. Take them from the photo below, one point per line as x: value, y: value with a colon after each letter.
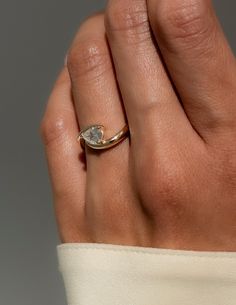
x: 93, y: 135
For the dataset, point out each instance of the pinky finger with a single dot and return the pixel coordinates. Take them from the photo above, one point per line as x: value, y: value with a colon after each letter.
x: 67, y: 171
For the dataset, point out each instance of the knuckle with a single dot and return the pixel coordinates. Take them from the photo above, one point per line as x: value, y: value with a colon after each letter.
x: 162, y: 182
x: 225, y: 168
x: 167, y: 181
x: 53, y: 130
x: 128, y: 17
x: 88, y: 58
x: 167, y: 186
x: 189, y: 24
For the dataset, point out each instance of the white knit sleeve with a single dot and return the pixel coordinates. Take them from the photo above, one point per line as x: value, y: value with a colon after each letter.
x: 98, y: 274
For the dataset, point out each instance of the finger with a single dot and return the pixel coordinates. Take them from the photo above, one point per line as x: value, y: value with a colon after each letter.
x: 150, y: 101
x: 97, y: 101
x: 68, y: 176
x: 94, y: 88
x: 94, y: 85
x: 199, y: 60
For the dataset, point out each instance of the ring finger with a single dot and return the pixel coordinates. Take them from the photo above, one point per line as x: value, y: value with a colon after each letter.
x: 97, y: 101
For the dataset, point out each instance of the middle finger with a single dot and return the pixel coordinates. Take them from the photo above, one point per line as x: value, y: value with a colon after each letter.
x: 149, y: 99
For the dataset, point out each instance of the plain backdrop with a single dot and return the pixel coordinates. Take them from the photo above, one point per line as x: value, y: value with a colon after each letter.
x: 35, y: 36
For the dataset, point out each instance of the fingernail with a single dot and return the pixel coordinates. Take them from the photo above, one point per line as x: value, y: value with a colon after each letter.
x: 65, y: 60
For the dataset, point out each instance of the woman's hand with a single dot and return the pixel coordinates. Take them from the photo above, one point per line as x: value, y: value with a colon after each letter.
x: 173, y: 184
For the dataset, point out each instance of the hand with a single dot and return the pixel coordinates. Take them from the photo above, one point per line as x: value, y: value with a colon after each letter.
x: 173, y: 183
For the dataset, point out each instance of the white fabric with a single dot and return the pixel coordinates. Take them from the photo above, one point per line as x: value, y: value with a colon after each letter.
x: 97, y: 274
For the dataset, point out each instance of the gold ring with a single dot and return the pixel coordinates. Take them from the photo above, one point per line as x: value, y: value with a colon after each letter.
x: 93, y: 137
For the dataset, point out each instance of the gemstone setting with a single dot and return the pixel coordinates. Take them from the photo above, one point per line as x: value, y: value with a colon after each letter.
x: 93, y: 135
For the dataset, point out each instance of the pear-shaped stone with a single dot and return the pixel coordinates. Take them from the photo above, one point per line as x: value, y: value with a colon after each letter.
x: 93, y: 135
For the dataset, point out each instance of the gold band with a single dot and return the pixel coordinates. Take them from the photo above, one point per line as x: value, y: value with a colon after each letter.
x: 93, y: 137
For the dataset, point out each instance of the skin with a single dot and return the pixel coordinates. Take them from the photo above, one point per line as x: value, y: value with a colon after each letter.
x: 166, y: 68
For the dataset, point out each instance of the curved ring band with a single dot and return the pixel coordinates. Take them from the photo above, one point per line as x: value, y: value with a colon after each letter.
x: 93, y: 137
